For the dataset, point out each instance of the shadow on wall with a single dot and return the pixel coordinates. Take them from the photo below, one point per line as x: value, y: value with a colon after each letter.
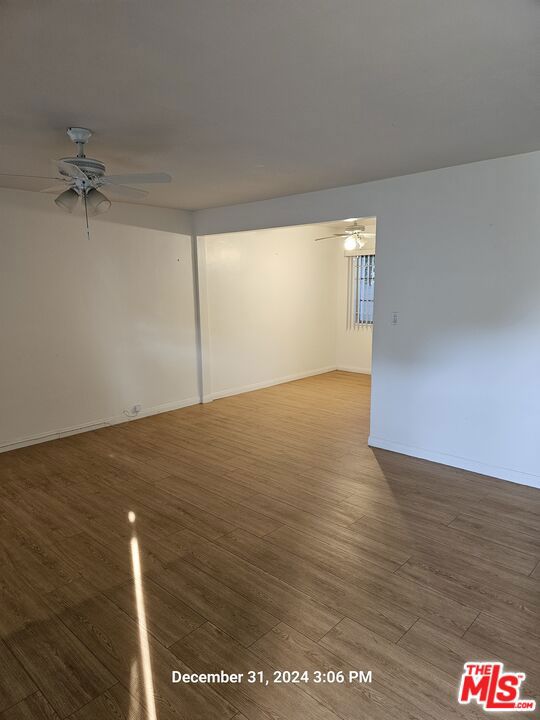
x: 145, y: 216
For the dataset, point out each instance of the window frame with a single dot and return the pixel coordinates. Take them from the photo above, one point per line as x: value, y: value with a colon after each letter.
x: 360, y: 304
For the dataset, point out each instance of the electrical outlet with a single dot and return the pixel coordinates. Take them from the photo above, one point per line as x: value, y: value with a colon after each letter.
x: 395, y: 318
x: 136, y: 409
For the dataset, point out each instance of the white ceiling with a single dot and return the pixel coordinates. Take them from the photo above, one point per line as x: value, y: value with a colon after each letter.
x: 249, y: 99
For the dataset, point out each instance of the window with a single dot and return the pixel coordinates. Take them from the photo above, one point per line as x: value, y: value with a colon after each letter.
x: 361, y: 290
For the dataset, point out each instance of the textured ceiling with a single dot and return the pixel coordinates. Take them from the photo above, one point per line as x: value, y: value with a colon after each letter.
x: 248, y: 99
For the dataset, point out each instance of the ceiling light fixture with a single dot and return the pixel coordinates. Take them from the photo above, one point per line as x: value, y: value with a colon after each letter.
x: 67, y: 200
x: 97, y: 202
x: 350, y: 243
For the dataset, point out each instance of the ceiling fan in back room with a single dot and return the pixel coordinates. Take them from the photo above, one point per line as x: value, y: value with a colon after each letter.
x: 354, y: 236
x: 83, y: 178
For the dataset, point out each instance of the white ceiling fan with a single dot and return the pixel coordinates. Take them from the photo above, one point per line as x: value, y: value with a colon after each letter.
x: 355, y: 236
x: 84, y: 178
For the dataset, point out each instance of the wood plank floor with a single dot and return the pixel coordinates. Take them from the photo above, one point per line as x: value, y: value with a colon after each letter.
x: 271, y: 537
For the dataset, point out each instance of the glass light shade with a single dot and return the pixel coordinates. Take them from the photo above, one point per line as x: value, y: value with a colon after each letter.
x: 67, y: 200
x: 97, y: 202
x: 350, y: 243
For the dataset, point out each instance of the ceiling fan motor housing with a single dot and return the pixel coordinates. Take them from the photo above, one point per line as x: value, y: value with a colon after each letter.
x: 89, y: 166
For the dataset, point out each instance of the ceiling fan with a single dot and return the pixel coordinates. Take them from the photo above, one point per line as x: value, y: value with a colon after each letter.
x: 83, y: 178
x: 355, y: 236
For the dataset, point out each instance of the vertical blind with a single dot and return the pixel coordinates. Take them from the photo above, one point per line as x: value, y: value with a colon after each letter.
x: 361, y: 286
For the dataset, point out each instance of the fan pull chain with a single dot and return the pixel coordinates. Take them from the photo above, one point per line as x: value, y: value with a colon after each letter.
x: 86, y: 215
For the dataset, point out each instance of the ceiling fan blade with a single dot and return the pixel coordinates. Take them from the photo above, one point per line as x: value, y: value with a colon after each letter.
x: 71, y: 170
x: 34, y: 183
x: 122, y: 191
x: 328, y: 237
x: 56, y: 188
x: 137, y: 178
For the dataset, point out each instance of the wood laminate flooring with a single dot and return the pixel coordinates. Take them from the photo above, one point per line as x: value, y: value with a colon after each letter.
x: 271, y: 537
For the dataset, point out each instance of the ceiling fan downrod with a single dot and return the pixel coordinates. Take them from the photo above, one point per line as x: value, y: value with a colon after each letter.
x: 80, y: 136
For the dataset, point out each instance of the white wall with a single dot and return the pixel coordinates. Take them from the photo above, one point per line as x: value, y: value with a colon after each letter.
x: 458, y: 256
x: 88, y: 329
x: 353, y: 344
x: 271, y: 298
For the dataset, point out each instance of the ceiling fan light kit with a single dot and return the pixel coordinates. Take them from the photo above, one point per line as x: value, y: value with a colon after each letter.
x: 84, y: 177
x: 97, y: 202
x: 351, y: 243
x: 67, y: 200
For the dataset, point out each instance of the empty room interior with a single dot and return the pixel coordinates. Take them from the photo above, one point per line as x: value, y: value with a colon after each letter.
x: 269, y: 360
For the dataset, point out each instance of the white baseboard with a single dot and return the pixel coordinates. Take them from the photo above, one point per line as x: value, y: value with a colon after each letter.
x: 348, y: 368
x: 515, y: 476
x: 86, y: 427
x: 265, y: 383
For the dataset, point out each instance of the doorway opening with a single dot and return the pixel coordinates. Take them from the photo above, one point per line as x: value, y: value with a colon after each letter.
x: 356, y: 272
x: 286, y: 303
